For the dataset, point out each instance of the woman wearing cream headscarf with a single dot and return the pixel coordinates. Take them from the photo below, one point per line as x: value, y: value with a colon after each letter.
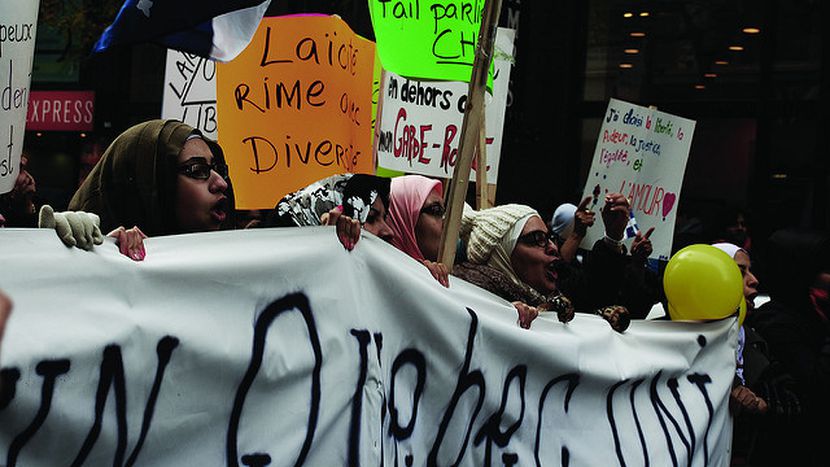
x: 509, y: 253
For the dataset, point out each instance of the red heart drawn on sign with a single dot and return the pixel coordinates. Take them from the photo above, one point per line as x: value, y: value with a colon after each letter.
x: 668, y: 203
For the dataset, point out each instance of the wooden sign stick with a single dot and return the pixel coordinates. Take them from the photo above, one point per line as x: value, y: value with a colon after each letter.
x: 482, y: 192
x: 469, y: 131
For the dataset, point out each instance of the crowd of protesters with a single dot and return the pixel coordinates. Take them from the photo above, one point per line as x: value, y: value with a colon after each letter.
x: 164, y: 177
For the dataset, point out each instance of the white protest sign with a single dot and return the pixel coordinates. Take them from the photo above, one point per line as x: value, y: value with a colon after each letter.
x: 190, y: 91
x: 420, y: 122
x: 277, y: 345
x: 18, y: 27
x: 642, y: 154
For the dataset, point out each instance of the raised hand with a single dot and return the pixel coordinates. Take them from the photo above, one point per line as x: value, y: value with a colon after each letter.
x: 583, y: 217
x: 615, y: 215
x: 641, y: 247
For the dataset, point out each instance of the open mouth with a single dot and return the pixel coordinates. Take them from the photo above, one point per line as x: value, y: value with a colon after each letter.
x: 551, y: 272
x: 219, y: 210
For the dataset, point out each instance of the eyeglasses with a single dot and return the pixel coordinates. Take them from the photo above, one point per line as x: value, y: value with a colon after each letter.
x: 434, y: 209
x: 538, y: 238
x: 199, y: 169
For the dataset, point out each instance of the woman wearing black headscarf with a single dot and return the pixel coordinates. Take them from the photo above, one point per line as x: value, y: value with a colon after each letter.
x: 348, y: 201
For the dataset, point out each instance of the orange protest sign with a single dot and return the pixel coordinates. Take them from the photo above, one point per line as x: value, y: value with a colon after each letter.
x: 295, y: 107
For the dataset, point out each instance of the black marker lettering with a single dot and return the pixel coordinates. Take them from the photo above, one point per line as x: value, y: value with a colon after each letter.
x: 466, y: 380
x: 50, y: 370
x: 363, y: 337
x: 573, y: 381
x: 491, y: 430
x: 290, y: 302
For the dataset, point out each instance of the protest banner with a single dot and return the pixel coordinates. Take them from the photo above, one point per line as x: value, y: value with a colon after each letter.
x: 277, y: 345
x: 641, y: 153
x: 295, y: 107
x: 420, y: 123
x: 434, y: 39
x: 190, y: 91
x: 18, y: 27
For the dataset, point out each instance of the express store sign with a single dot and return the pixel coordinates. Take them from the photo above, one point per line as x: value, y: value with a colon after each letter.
x: 61, y: 111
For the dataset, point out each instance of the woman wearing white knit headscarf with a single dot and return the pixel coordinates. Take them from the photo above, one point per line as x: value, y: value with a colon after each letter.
x: 491, y: 237
x: 509, y: 253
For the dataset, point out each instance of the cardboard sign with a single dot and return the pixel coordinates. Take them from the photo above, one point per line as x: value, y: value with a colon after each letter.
x: 296, y: 107
x: 190, y: 92
x: 420, y: 124
x: 433, y: 40
x: 642, y: 154
x: 61, y: 110
x: 277, y: 346
x: 18, y: 27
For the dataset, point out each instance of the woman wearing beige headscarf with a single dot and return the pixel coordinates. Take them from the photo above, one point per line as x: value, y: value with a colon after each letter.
x: 151, y: 174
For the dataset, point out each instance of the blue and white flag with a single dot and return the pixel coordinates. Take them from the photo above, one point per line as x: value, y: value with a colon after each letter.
x: 215, y: 29
x: 631, y: 228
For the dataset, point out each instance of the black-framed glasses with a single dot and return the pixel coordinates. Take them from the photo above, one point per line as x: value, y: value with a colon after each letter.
x: 434, y: 209
x: 538, y: 238
x: 199, y: 169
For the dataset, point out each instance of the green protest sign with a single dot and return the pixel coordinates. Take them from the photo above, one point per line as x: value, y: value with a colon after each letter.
x: 428, y: 39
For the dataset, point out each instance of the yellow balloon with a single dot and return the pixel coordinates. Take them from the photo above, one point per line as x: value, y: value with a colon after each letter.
x: 702, y: 283
x: 742, y: 312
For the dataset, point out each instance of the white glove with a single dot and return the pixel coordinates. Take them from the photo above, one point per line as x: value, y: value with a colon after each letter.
x: 74, y: 228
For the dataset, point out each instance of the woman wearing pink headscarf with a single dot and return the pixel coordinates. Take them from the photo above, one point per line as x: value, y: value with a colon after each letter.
x: 416, y: 216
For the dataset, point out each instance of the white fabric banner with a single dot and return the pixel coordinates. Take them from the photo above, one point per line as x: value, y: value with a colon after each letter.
x: 18, y: 28
x: 641, y: 153
x: 278, y: 347
x: 419, y: 126
x: 190, y: 91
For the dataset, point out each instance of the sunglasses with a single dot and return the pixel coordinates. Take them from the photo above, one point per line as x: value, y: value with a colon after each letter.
x: 434, y: 209
x: 538, y: 238
x: 199, y: 169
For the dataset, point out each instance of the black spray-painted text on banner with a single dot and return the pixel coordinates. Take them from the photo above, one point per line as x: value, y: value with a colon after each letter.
x: 679, y: 420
